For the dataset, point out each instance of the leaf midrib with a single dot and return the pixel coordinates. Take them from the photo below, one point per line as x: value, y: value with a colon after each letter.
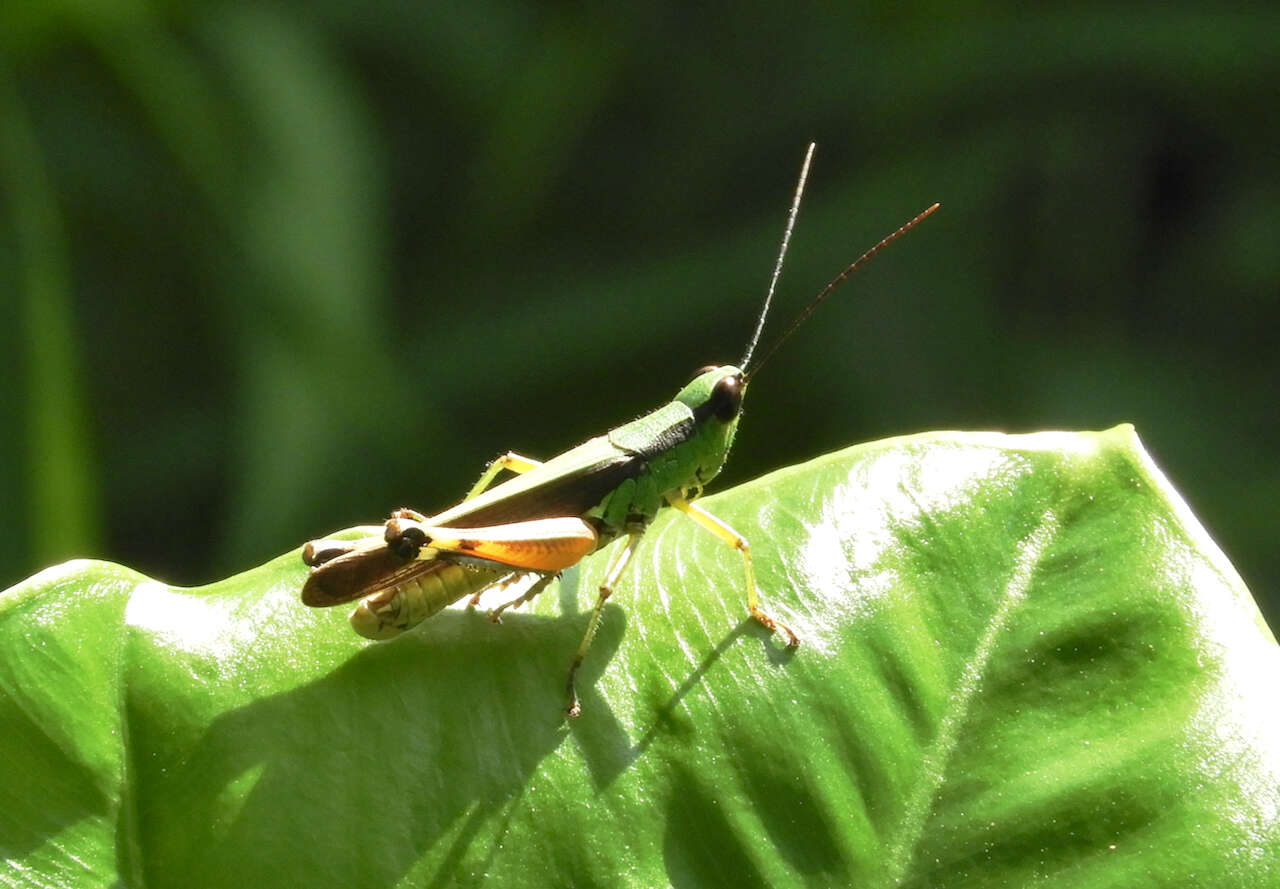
x: 919, y: 804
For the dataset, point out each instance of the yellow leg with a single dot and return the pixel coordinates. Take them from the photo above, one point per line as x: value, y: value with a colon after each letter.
x: 510, y: 460
x: 617, y: 563
x: 737, y: 541
x: 406, y: 513
x: 538, y: 586
x: 503, y: 582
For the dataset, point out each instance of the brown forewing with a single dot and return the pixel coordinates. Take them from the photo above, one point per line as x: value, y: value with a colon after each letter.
x: 361, y: 573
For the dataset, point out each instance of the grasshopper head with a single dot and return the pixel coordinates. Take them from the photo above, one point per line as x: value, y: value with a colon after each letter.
x: 714, y: 392
x: 715, y: 397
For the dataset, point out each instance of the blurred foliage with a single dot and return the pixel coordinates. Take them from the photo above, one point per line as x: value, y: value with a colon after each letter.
x: 272, y: 269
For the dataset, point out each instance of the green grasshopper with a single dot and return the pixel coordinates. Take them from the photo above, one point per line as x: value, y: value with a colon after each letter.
x: 529, y: 528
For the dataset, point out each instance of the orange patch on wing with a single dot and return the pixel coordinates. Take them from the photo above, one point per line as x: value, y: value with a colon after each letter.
x: 537, y: 545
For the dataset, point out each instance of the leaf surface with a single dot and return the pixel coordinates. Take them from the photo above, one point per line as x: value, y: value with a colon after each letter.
x: 1024, y: 663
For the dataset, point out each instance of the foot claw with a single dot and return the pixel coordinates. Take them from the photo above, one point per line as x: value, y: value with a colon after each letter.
x: 773, y: 626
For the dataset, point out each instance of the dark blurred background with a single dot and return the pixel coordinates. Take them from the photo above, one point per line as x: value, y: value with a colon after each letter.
x: 271, y: 269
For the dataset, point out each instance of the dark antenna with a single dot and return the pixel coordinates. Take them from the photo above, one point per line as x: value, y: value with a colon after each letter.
x: 782, y: 253
x: 835, y: 282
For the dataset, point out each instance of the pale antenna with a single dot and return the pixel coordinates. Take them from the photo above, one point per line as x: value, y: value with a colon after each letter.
x: 782, y: 253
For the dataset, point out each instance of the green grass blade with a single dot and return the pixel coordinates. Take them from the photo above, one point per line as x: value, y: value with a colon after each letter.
x: 62, y: 511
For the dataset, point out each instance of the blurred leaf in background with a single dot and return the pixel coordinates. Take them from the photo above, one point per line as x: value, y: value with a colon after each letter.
x: 273, y: 269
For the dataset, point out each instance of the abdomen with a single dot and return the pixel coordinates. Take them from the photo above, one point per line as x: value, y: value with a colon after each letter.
x: 420, y: 595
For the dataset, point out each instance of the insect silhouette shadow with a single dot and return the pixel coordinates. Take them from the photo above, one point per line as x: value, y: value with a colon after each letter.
x: 452, y: 722
x: 609, y: 750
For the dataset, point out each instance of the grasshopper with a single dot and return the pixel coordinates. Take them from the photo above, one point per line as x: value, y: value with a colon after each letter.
x: 550, y: 515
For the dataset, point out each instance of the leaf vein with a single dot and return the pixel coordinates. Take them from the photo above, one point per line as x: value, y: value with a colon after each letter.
x: 938, y: 756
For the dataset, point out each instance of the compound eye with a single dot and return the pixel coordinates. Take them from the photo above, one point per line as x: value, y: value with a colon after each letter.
x: 726, y: 398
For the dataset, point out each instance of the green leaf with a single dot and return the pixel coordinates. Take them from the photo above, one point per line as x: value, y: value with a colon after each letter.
x: 1024, y: 663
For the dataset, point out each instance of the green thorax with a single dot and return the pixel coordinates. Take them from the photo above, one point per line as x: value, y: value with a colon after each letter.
x: 683, y: 443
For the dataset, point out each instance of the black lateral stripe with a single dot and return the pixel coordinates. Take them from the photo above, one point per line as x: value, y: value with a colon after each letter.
x: 569, y: 495
x: 669, y: 426
x: 703, y: 411
x: 669, y: 438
